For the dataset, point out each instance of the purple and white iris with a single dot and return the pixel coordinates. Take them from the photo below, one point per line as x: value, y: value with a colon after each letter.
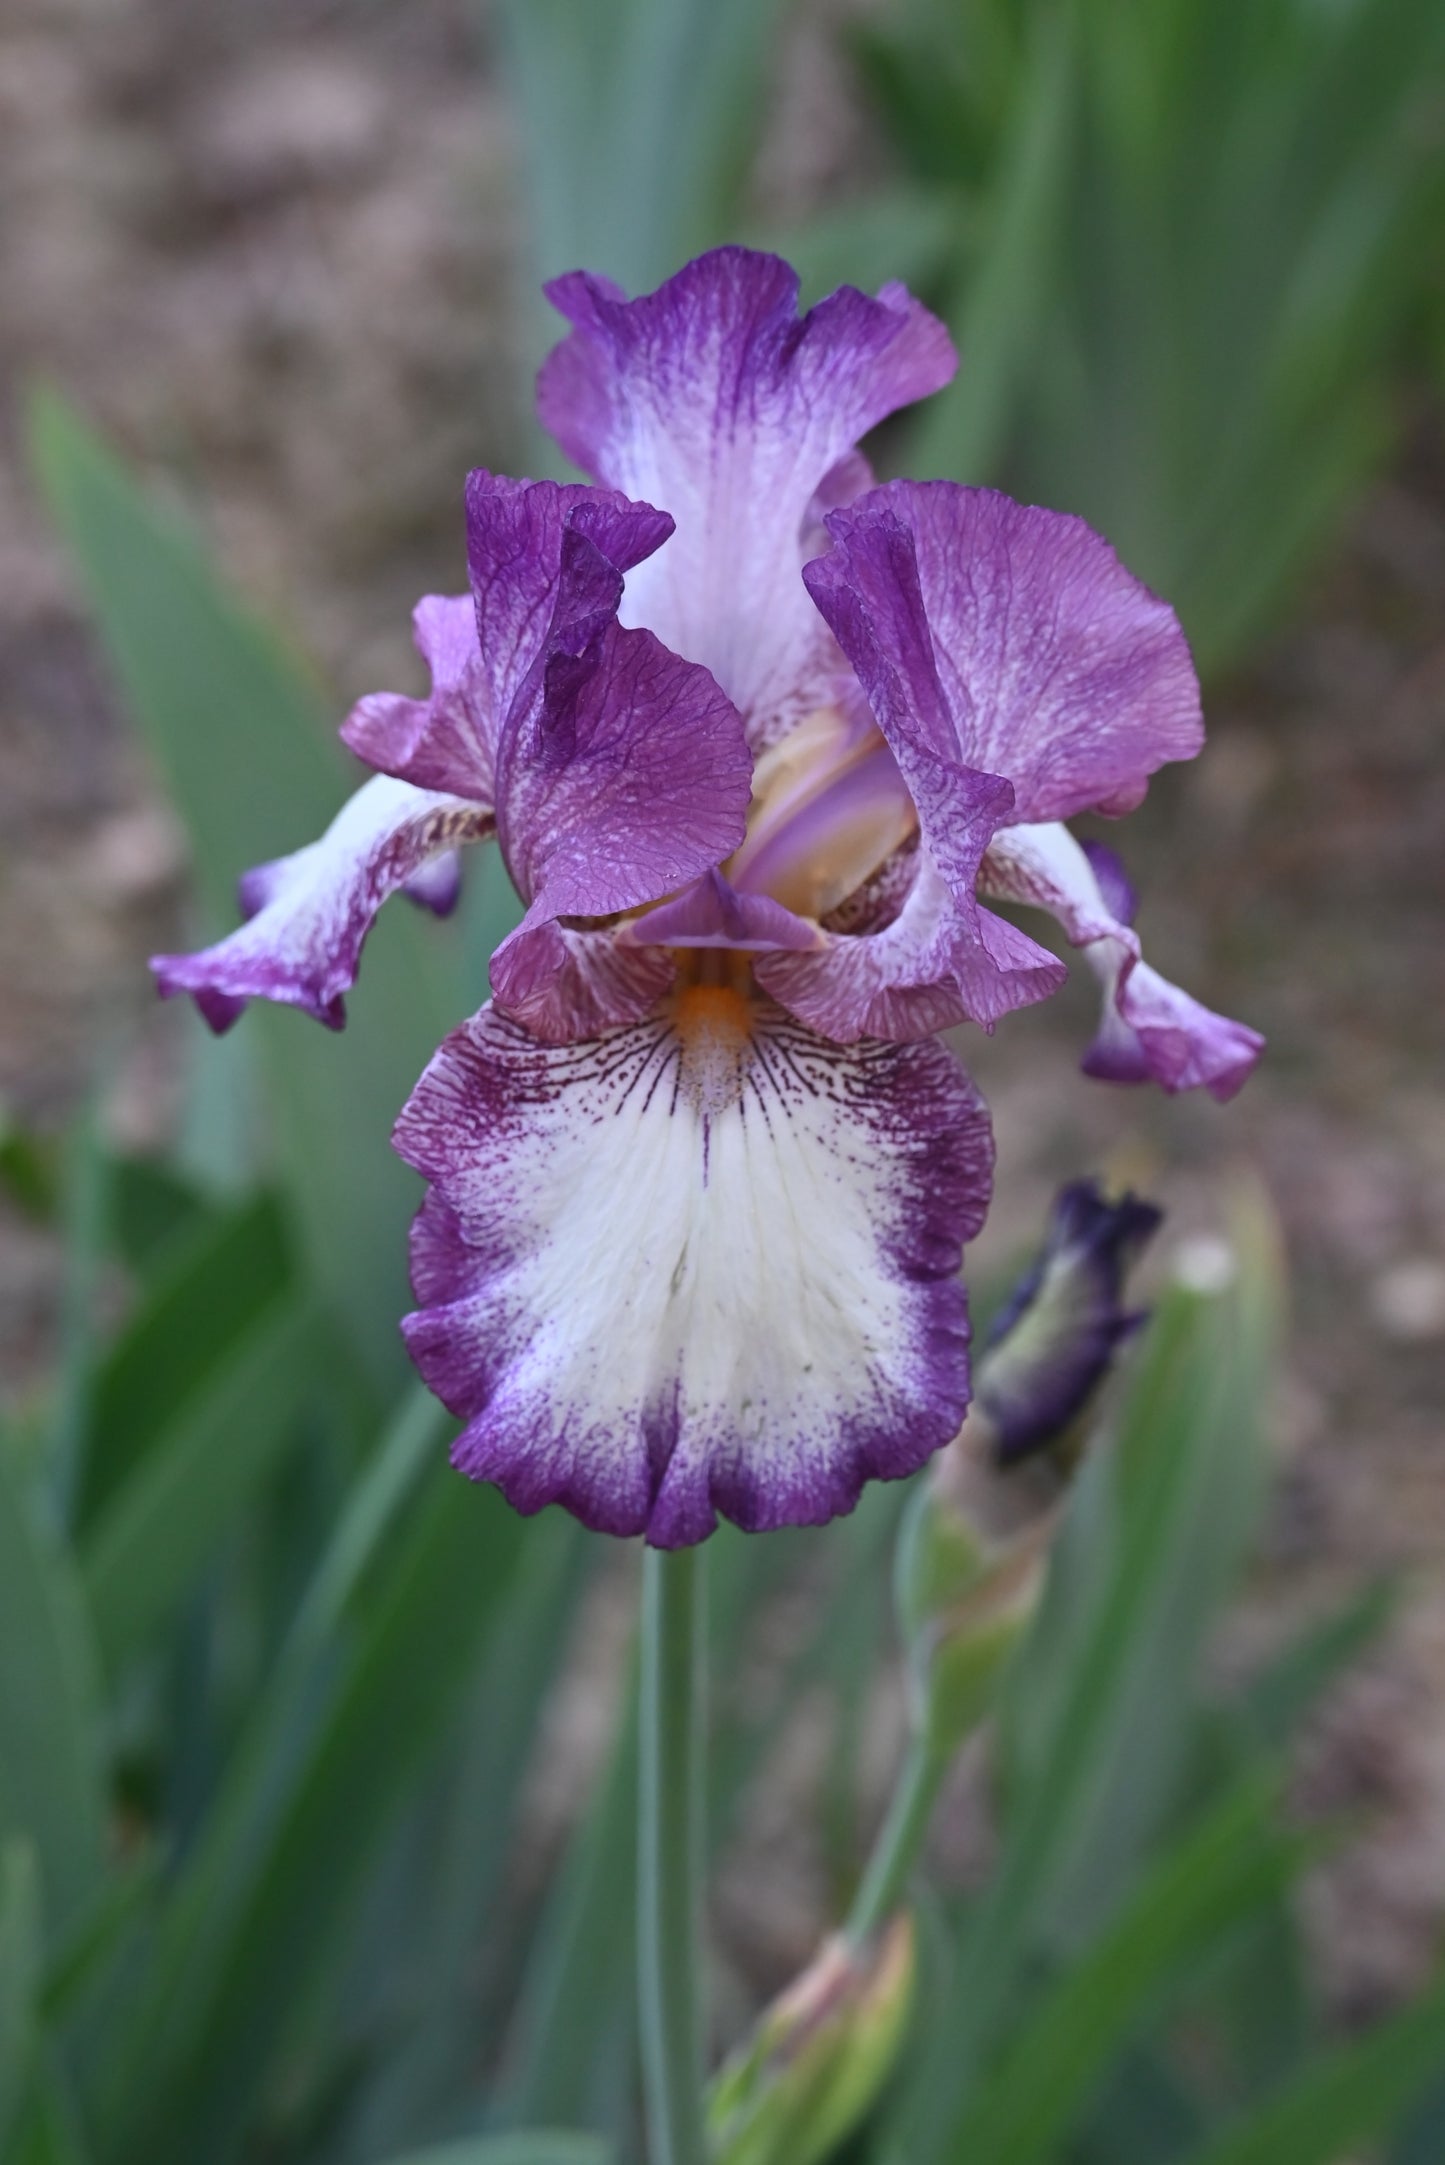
x: 700, y: 1172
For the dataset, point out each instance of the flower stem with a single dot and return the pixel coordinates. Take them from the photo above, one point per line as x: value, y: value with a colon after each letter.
x: 670, y: 1858
x: 900, y: 1838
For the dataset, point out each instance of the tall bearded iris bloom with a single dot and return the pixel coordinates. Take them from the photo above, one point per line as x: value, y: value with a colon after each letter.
x: 755, y: 737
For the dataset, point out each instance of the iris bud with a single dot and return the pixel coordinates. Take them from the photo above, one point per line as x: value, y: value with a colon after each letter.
x: 818, y: 2056
x: 1055, y: 1338
x: 975, y: 1539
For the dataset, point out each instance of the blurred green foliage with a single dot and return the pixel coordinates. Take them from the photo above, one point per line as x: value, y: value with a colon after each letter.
x: 263, y: 1791
x: 271, y: 1679
x: 1190, y: 240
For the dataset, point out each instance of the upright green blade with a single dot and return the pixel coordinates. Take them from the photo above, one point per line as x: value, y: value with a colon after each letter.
x: 1351, y: 2096
x: 239, y: 735
x: 145, y: 1552
x: 1225, y: 1869
x: 639, y: 117
x: 50, y: 1769
x: 267, y: 1900
x: 20, y: 1971
x: 535, y: 2147
x: 227, y: 1273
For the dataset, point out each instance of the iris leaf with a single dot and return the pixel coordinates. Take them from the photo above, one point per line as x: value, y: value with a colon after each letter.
x: 560, y: 2147
x: 86, y: 1207
x: 240, y: 736
x: 20, y: 1964
x: 234, y: 1265
x: 154, y: 1210
x: 964, y: 430
x: 1107, y: 1676
x: 1422, y: 2140
x: 904, y: 232
x: 1151, y: 1552
x: 145, y: 1549
x: 575, y: 2023
x: 1350, y: 2096
x: 1180, y: 364
x: 638, y: 117
x: 1221, y: 1873
x: 451, y: 1909
x: 267, y: 1897
x: 50, y: 1773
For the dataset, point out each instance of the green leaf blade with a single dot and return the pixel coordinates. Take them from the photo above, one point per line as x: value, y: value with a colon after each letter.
x: 239, y: 736
x: 50, y: 1772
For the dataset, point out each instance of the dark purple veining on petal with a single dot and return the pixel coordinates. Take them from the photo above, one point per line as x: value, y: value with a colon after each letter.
x: 779, y: 1410
x: 566, y: 983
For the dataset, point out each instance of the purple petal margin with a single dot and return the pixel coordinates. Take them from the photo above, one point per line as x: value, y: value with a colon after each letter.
x: 308, y: 914
x: 713, y: 397
x: 704, y: 1265
x: 546, y: 561
x: 1008, y: 639
x: 1151, y: 1030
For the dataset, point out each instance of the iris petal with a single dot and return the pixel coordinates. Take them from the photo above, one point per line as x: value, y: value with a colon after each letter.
x: 308, y: 914
x: 704, y: 1265
x: 1008, y: 639
x: 1151, y: 1030
x: 712, y: 396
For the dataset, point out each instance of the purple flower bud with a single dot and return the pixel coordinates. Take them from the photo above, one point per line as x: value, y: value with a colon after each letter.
x: 1057, y: 1335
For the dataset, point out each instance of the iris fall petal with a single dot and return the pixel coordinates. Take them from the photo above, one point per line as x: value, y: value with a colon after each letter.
x: 705, y: 1265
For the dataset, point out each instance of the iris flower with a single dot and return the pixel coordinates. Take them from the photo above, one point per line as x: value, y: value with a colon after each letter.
x: 754, y: 736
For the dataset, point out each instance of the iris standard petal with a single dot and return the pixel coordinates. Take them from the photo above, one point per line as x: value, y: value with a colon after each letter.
x: 1008, y: 639
x: 546, y: 561
x: 712, y: 397
x: 1151, y: 1030
x: 631, y: 778
x: 308, y: 914
x: 704, y: 1265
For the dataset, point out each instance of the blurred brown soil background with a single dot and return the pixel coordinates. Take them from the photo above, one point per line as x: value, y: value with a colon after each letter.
x: 276, y: 251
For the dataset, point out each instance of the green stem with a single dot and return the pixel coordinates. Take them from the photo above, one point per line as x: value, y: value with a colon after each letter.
x: 900, y: 1838
x: 670, y: 1858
